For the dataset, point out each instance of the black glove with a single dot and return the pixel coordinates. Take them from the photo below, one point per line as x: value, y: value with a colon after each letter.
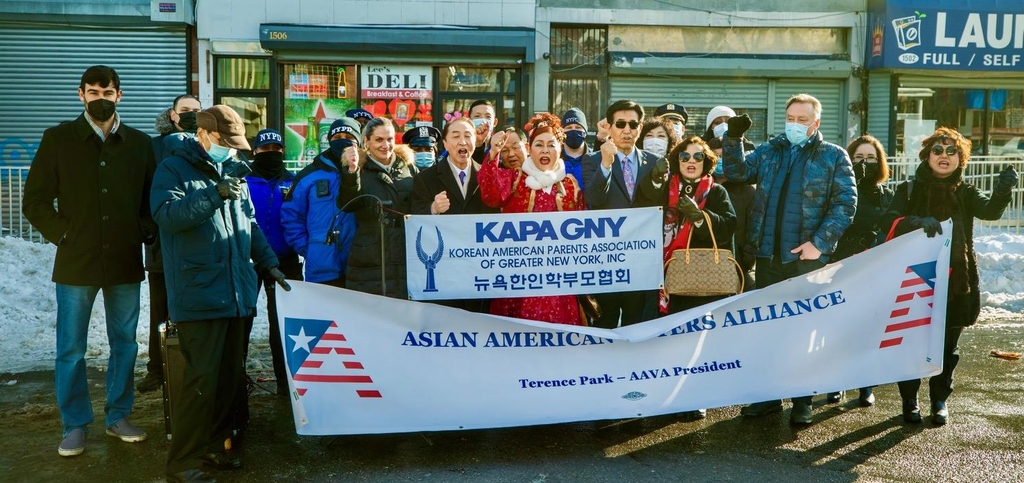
x: 276, y: 275
x: 930, y: 225
x: 738, y: 125
x: 688, y: 209
x: 1007, y: 181
x: 858, y: 171
x: 229, y: 188
x: 660, y: 169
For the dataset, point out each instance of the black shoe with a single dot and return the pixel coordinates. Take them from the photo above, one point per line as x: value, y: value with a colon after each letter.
x: 939, y: 413
x: 835, y: 397
x: 762, y: 409
x: 911, y: 411
x: 867, y: 397
x: 694, y: 415
x: 194, y: 475
x: 221, y: 461
x: 152, y: 382
x: 802, y: 414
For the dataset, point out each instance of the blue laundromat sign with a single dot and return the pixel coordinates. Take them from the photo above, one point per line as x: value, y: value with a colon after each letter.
x: 970, y: 36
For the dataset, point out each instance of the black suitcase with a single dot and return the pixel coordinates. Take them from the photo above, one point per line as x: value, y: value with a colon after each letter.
x: 174, y: 368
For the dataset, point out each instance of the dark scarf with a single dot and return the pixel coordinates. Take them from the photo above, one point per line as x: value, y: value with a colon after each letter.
x: 941, y: 202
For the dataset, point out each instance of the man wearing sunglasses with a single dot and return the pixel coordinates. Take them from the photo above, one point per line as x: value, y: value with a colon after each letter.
x: 804, y: 201
x: 612, y: 175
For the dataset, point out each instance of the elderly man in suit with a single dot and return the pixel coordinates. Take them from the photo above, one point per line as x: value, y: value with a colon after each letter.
x: 611, y: 176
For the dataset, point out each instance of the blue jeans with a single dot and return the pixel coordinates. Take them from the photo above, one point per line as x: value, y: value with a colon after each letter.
x: 74, y: 307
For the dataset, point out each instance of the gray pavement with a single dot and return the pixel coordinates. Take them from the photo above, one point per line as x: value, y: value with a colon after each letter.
x: 983, y: 442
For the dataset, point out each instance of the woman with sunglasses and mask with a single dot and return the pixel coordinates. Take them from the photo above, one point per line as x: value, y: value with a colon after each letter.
x: 682, y: 183
x: 937, y: 193
x: 541, y: 185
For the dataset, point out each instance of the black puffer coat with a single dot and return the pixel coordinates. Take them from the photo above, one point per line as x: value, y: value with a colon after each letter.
x: 394, y: 187
x: 872, y: 202
x: 962, y: 309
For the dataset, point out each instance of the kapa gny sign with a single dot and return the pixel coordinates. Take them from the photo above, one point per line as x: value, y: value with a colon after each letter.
x: 953, y: 40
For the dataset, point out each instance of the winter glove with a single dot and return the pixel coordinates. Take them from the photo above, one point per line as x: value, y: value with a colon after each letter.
x: 660, y: 169
x: 276, y: 275
x: 1007, y: 181
x: 688, y: 209
x: 930, y: 225
x: 229, y: 188
x: 738, y: 126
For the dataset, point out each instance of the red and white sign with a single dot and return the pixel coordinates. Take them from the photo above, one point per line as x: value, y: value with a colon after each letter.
x: 396, y: 82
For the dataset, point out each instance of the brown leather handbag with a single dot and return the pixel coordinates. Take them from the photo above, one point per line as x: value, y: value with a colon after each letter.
x: 703, y: 272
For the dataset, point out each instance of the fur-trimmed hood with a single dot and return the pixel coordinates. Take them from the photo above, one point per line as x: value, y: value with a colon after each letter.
x: 163, y: 124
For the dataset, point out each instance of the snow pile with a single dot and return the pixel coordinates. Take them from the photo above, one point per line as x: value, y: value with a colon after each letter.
x: 28, y: 308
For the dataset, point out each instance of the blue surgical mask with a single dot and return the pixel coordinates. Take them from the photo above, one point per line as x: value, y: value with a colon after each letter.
x: 479, y: 122
x: 720, y: 169
x: 219, y: 153
x: 575, y: 139
x: 796, y: 133
x: 424, y: 159
x: 338, y: 146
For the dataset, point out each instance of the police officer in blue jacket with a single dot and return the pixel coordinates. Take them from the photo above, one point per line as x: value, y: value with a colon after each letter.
x: 309, y: 213
x: 268, y: 183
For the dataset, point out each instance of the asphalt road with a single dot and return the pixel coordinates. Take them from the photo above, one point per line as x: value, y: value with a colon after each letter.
x: 983, y: 442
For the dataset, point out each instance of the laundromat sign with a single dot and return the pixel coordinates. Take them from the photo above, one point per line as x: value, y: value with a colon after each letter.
x: 919, y: 37
x: 396, y: 82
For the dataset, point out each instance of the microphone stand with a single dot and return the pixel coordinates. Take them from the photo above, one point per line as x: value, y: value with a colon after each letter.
x: 332, y: 233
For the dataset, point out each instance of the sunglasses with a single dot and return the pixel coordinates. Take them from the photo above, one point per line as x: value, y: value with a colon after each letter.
x: 620, y: 124
x: 686, y: 157
x: 950, y: 150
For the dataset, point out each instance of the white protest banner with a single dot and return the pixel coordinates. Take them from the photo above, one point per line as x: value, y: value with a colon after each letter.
x: 361, y: 363
x: 533, y: 254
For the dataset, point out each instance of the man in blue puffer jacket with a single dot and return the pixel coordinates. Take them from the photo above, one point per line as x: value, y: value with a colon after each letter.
x: 268, y: 183
x: 210, y: 243
x: 805, y: 200
x: 309, y: 212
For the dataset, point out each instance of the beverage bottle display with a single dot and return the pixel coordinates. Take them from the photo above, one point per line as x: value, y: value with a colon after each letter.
x: 312, y: 146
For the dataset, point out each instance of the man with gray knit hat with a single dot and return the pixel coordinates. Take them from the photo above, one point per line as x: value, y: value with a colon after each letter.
x: 574, y: 122
x: 210, y: 242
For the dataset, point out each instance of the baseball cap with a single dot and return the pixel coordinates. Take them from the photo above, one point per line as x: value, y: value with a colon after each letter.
x: 267, y: 136
x: 225, y: 121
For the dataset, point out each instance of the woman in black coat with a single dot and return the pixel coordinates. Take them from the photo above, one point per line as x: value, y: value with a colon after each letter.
x: 871, y: 170
x: 938, y: 193
x: 384, y: 171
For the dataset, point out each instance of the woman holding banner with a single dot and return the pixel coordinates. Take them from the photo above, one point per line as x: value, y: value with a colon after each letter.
x: 541, y: 185
x: 937, y: 193
x: 681, y: 182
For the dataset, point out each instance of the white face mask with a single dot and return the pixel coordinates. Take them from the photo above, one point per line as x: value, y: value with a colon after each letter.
x: 720, y: 130
x: 656, y: 146
x: 678, y: 128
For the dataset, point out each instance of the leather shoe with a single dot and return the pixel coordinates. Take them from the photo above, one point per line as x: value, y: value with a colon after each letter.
x: 762, y: 409
x: 221, y: 461
x: 195, y: 475
x: 835, y: 397
x: 939, y: 413
x: 867, y: 397
x: 911, y: 411
x: 801, y: 414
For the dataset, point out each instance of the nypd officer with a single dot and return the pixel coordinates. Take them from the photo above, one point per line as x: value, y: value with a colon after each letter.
x: 676, y: 115
x: 362, y: 116
x: 424, y: 143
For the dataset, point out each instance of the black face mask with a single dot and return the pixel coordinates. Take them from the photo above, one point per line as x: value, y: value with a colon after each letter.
x: 267, y: 164
x: 870, y: 173
x: 101, y: 109
x: 187, y: 122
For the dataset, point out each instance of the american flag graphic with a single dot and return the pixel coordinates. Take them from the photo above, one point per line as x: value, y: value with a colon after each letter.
x: 913, y: 304
x: 319, y: 353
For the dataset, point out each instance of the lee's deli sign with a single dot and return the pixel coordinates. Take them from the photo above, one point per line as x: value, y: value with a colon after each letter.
x: 947, y: 35
x: 396, y: 82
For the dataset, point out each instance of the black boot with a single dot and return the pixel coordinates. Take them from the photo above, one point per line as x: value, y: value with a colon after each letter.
x: 867, y: 397
x: 911, y: 411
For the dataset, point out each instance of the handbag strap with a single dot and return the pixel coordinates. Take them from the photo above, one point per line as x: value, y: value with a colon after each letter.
x: 714, y: 243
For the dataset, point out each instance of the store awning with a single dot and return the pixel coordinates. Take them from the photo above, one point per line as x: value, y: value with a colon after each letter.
x: 949, y: 35
x: 400, y: 39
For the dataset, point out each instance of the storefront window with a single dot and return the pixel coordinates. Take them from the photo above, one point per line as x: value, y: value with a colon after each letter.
x: 314, y: 96
x: 402, y: 93
x: 461, y: 86
x: 253, y: 111
x: 243, y: 73
x: 243, y: 83
x: 992, y: 118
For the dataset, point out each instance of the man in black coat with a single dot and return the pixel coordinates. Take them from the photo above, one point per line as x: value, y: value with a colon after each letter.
x: 99, y: 171
x: 611, y: 175
x: 449, y: 187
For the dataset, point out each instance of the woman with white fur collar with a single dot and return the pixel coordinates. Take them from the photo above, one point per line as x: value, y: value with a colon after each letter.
x: 540, y: 185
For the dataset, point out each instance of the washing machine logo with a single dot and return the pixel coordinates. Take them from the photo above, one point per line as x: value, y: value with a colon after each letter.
x: 908, y: 31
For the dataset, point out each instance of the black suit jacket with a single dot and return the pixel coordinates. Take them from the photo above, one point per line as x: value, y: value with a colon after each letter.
x: 438, y: 178
x: 606, y: 194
